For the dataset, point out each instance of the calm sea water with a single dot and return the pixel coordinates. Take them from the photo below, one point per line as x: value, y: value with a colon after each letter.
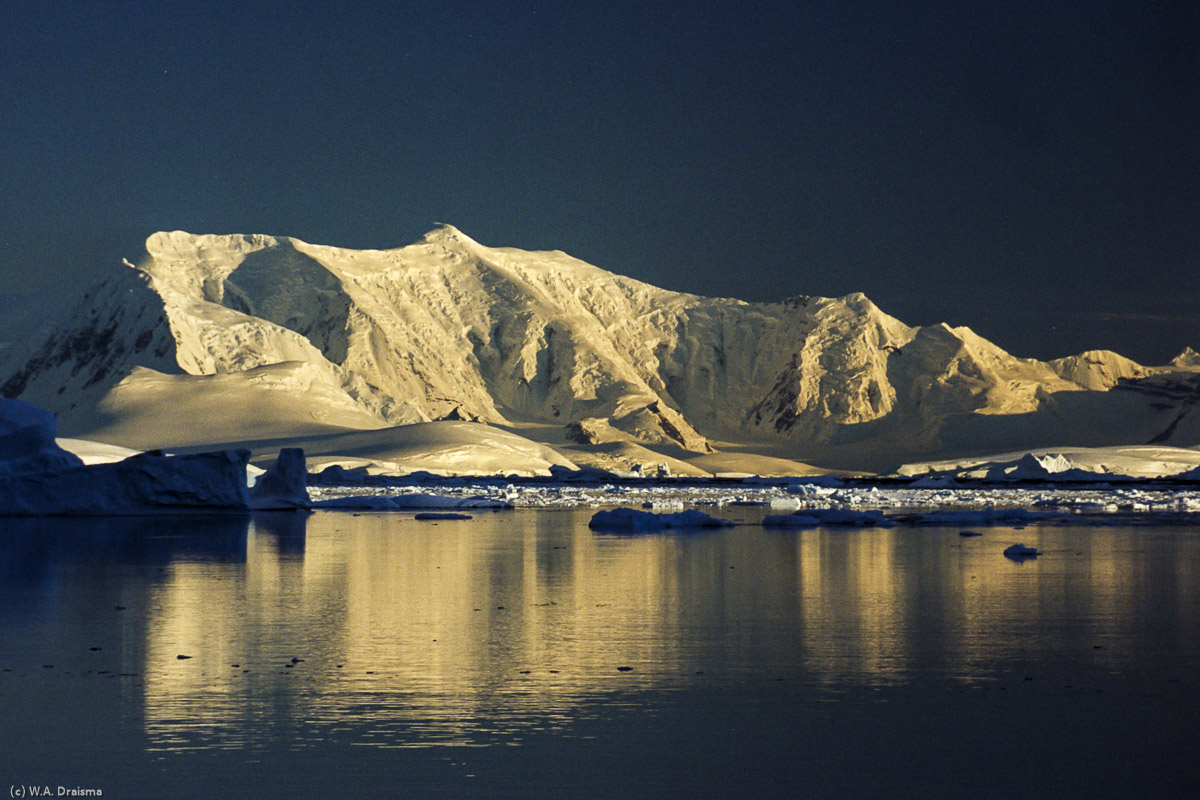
x: 521, y: 655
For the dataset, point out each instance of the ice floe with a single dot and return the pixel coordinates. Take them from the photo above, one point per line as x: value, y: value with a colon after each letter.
x: 1018, y: 552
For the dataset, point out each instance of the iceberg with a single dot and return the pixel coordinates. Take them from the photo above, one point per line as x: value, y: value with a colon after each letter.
x: 284, y: 485
x: 1020, y: 552
x: 27, y: 440
x: 144, y: 484
x: 40, y: 478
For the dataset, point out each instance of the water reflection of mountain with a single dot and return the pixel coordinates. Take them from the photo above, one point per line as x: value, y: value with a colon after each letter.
x: 408, y: 631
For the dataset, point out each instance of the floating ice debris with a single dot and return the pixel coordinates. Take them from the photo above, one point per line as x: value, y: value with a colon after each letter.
x: 669, y: 504
x: 430, y: 516
x: 812, y: 489
x: 632, y: 521
x: 1019, y: 552
x: 969, y: 533
x: 283, y: 485
x: 784, y: 504
x: 405, y: 502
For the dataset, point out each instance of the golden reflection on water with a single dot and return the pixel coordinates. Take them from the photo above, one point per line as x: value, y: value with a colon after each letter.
x: 851, y: 595
x: 406, y: 633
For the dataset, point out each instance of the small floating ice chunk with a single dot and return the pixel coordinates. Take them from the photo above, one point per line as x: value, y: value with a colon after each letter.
x: 1020, y: 551
x: 669, y: 504
x: 632, y: 521
x: 429, y: 516
x: 813, y: 489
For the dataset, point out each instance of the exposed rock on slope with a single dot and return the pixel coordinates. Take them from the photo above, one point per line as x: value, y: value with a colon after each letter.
x: 230, y: 338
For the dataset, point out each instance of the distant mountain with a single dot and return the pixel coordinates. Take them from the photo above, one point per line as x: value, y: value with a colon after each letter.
x: 207, y: 334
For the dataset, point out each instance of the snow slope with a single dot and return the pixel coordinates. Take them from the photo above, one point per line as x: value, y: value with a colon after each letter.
x: 444, y: 447
x: 222, y: 339
x: 1098, y: 369
x: 1145, y: 461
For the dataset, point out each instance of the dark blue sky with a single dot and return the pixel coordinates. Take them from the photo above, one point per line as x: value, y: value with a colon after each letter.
x: 1031, y: 170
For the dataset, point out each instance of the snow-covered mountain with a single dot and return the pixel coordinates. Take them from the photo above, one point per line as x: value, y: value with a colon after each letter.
x: 236, y: 337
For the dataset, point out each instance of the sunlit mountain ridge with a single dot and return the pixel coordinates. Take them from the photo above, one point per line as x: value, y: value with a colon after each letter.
x: 262, y: 337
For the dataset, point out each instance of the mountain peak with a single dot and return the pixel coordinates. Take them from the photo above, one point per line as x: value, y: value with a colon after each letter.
x: 449, y: 236
x: 182, y: 244
x: 1098, y: 370
x: 1188, y: 359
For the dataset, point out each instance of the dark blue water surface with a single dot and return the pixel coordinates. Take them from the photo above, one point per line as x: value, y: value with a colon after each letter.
x: 520, y: 655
